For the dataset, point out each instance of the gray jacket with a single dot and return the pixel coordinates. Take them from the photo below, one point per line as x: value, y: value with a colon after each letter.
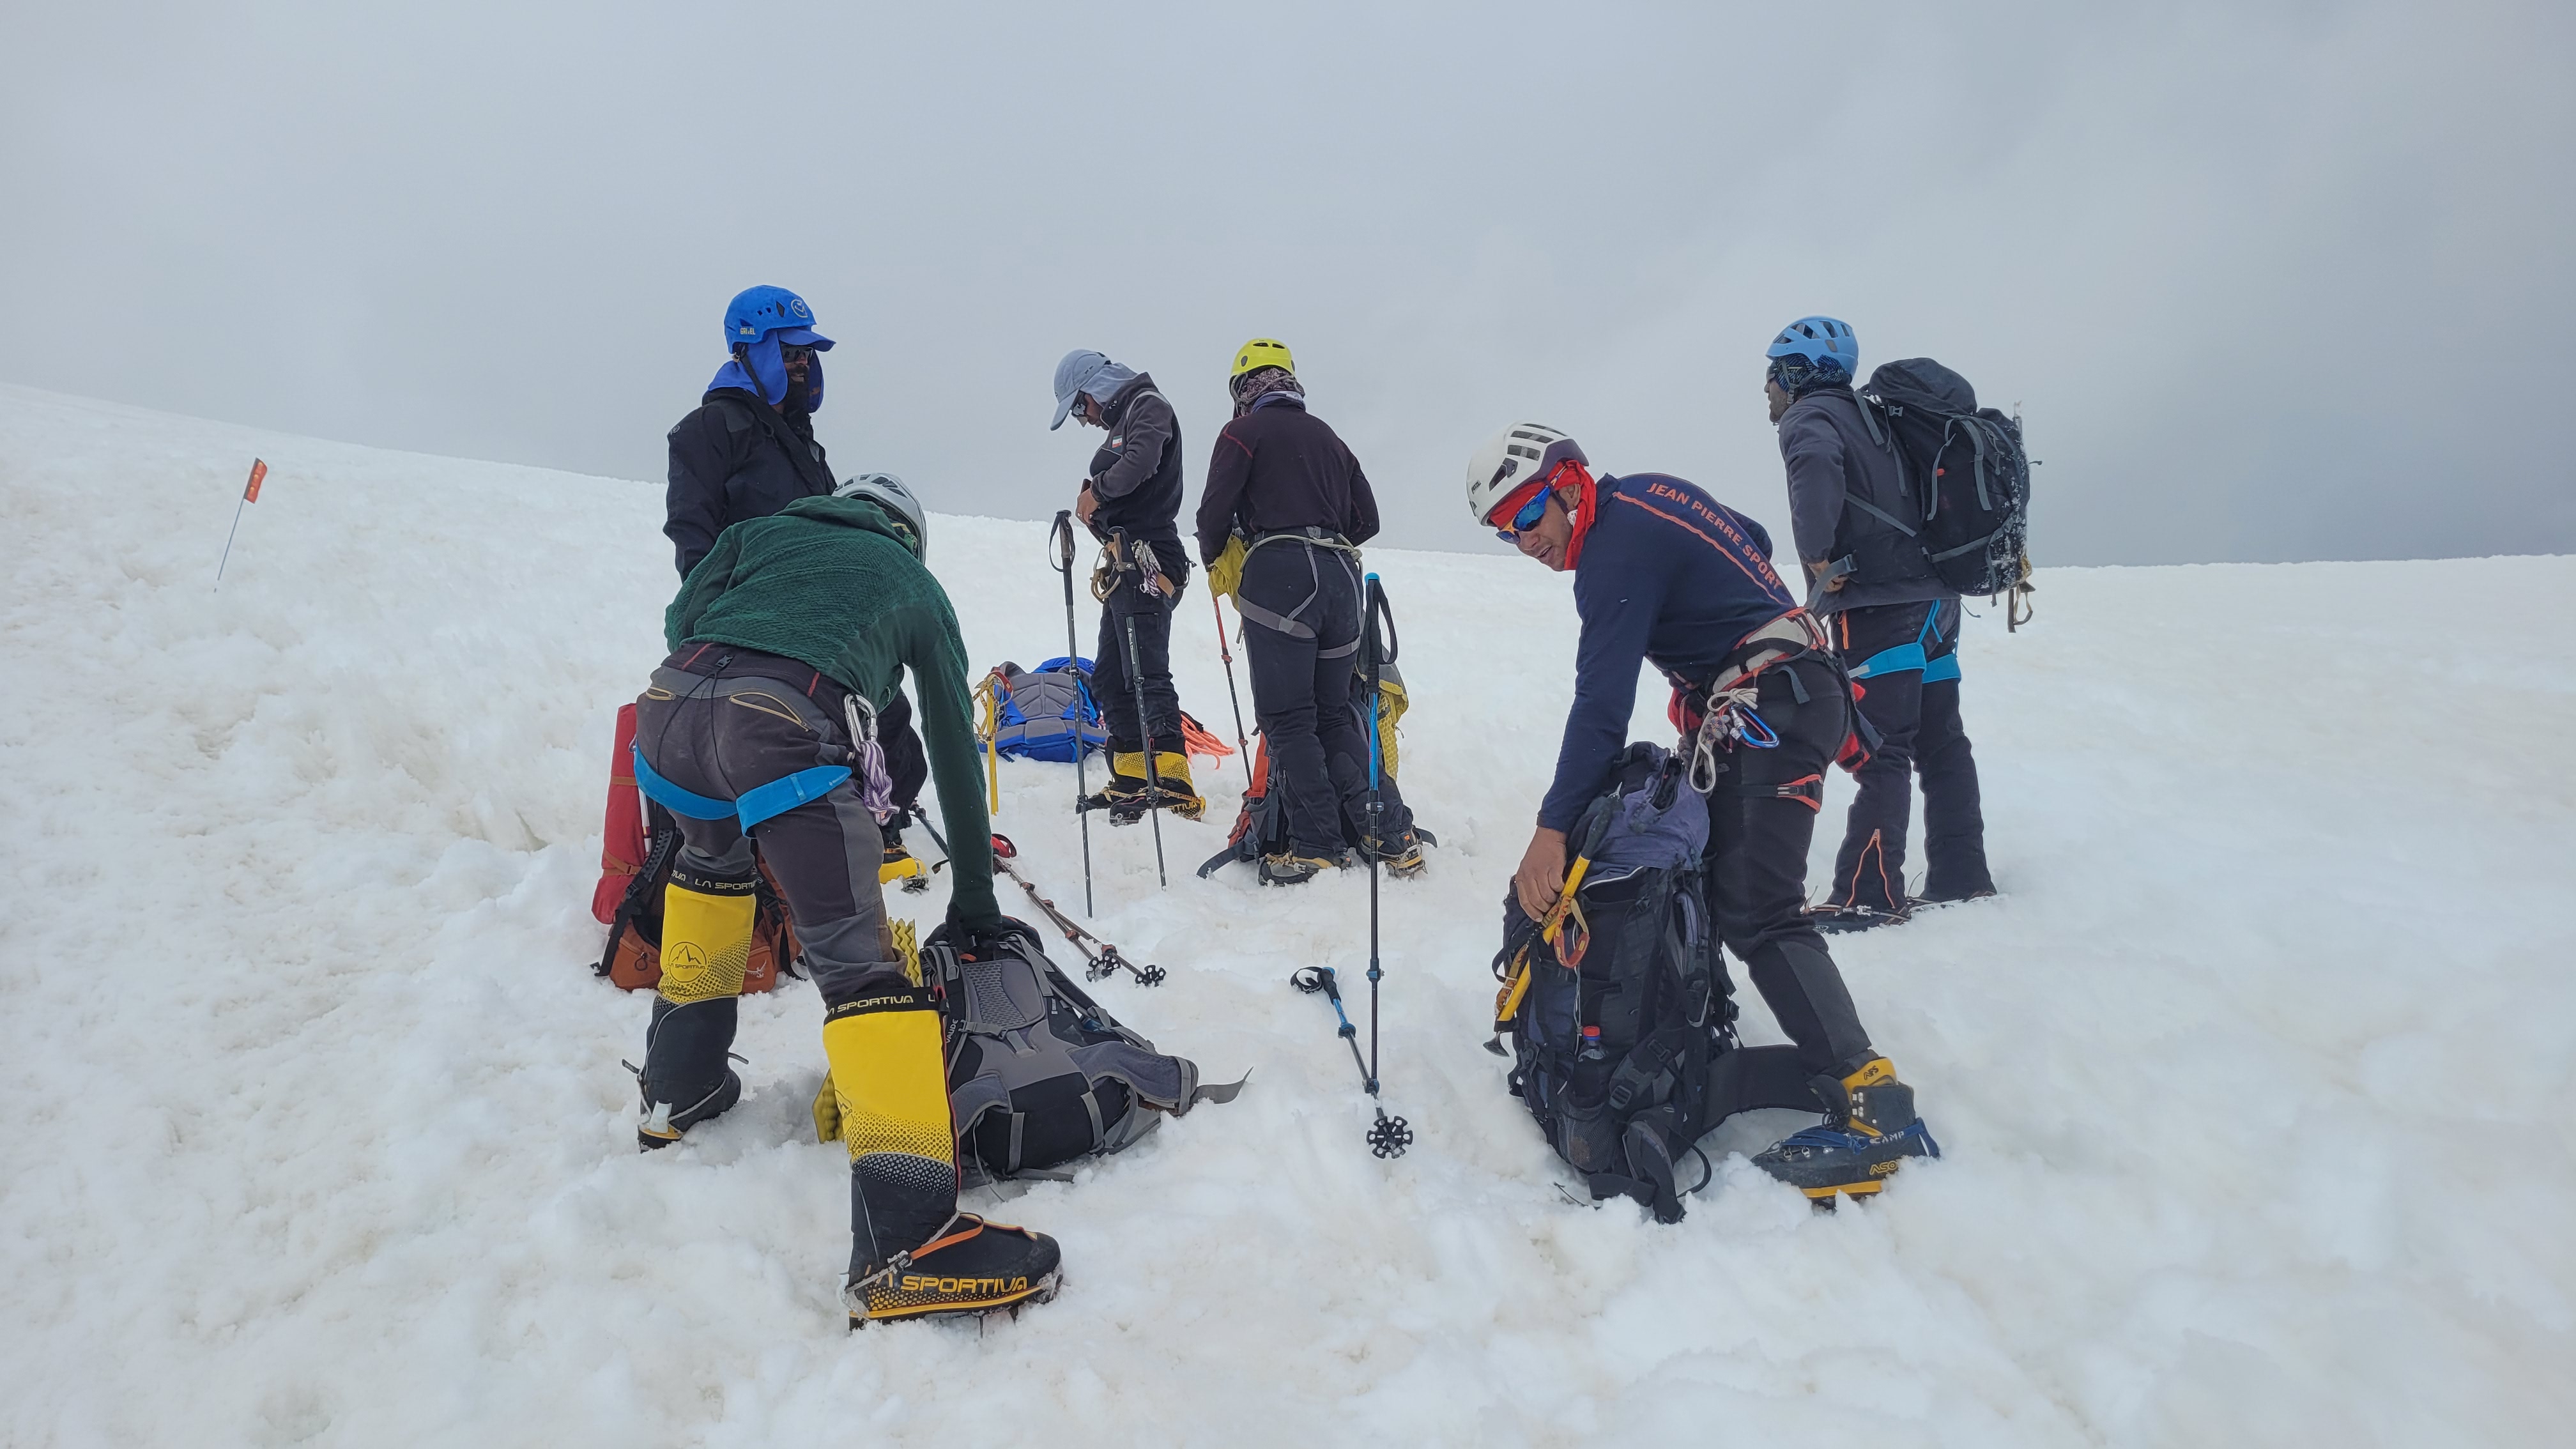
x: 1837, y: 476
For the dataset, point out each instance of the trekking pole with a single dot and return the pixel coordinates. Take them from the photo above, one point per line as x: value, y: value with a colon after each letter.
x: 1063, y: 539
x: 1387, y: 1136
x: 1226, y: 651
x: 1144, y: 730
x: 1390, y: 1136
x: 1100, y: 964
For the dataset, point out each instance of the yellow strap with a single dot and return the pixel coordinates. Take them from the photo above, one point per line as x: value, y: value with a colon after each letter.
x: 1507, y: 1002
x: 989, y: 730
x: 1555, y: 921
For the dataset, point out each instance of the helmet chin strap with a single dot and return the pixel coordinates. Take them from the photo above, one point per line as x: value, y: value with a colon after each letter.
x: 1586, y: 502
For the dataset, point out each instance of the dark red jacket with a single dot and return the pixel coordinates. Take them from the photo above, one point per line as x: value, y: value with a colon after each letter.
x: 1279, y: 467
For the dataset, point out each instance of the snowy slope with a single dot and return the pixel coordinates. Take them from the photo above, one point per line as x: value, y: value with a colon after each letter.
x: 2254, y: 1088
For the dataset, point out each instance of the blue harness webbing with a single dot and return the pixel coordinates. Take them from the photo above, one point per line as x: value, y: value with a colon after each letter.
x: 1913, y: 656
x: 756, y: 805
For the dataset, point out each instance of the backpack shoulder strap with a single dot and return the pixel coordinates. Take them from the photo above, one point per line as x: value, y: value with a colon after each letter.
x: 1869, y: 406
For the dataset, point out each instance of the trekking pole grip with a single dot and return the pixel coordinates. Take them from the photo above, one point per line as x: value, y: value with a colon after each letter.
x: 1062, y: 537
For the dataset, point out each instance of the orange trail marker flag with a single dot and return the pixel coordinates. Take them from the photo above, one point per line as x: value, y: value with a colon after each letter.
x: 250, y: 495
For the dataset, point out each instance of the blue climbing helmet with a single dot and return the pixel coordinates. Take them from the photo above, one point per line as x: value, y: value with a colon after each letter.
x: 1823, y: 344
x: 755, y: 312
x: 758, y: 321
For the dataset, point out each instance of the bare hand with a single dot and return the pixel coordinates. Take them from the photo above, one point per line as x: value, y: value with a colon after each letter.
x: 1086, y: 503
x: 1541, y: 877
x: 1835, y: 584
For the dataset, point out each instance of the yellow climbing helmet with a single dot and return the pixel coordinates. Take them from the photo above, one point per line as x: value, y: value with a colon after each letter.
x: 1263, y: 352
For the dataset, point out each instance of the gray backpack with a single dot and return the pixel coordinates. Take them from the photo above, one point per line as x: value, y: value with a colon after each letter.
x: 1038, y: 1074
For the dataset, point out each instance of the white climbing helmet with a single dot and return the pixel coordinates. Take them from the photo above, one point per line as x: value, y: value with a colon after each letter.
x: 1510, y: 459
x: 888, y: 491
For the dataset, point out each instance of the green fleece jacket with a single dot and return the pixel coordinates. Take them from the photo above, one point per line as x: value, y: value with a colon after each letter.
x: 830, y: 582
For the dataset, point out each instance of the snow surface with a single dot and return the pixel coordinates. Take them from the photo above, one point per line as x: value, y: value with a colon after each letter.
x: 2255, y: 1087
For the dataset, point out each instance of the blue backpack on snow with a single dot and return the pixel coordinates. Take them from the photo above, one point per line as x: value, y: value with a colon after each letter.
x: 1044, y: 710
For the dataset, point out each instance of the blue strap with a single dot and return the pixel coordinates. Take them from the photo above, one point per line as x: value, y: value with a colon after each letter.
x: 1890, y: 661
x: 782, y: 795
x: 1945, y: 667
x: 756, y: 805
x: 675, y: 799
x: 1916, y: 655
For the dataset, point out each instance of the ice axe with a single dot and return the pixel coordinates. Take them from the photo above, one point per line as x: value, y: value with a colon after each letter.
x: 1102, y: 963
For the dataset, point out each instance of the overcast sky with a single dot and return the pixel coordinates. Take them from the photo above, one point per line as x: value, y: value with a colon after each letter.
x: 2266, y: 281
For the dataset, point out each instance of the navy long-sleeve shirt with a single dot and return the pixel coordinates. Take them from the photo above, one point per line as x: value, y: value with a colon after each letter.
x: 1667, y: 574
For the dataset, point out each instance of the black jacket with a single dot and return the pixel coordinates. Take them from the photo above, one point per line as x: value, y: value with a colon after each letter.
x: 1278, y: 467
x: 1136, y: 475
x: 737, y: 458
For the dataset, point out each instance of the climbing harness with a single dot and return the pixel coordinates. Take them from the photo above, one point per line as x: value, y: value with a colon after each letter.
x: 1293, y: 622
x: 1725, y: 705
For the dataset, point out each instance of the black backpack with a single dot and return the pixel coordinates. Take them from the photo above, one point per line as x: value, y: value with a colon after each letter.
x: 1628, y: 1058
x: 1038, y: 1074
x: 1261, y: 826
x: 1974, y: 476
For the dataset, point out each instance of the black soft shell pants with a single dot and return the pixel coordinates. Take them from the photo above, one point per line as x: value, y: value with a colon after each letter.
x: 1919, y: 734
x: 1761, y: 817
x: 907, y: 763
x: 1301, y: 692
x: 1114, y: 690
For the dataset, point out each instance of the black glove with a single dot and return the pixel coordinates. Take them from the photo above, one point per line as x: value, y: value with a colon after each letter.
x: 979, y: 938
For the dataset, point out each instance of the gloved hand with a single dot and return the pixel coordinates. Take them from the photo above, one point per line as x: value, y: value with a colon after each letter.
x: 1225, y: 576
x: 979, y: 937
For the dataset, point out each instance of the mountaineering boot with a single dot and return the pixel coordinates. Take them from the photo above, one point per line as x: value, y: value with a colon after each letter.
x: 1915, y: 903
x: 665, y: 1121
x: 1836, y: 920
x: 1403, y: 855
x: 900, y: 864
x: 1870, y: 1128
x: 1291, y: 867
x: 1129, y: 789
x: 706, y: 943
x: 973, y: 1266
x: 912, y: 1254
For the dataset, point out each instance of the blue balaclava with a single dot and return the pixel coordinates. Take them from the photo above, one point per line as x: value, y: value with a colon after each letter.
x: 757, y: 323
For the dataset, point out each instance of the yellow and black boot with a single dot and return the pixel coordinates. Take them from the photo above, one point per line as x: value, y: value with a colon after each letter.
x: 912, y: 1254
x: 1870, y: 1128
x: 706, y: 943
x: 1130, y: 790
x: 900, y: 863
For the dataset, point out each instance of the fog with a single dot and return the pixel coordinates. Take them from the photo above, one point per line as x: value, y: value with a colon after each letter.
x: 2265, y: 281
